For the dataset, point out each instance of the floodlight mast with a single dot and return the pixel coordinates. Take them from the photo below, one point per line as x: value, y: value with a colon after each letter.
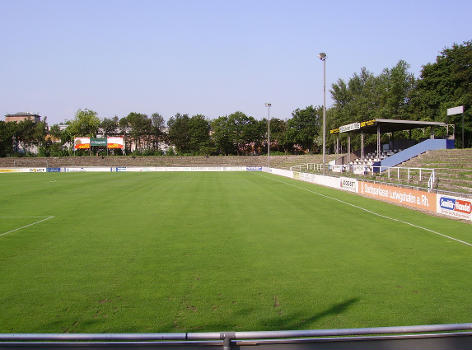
x: 322, y: 57
x: 268, y: 105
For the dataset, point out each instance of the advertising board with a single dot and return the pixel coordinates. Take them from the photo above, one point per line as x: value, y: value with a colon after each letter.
x: 329, y: 181
x: 454, y: 206
x: 81, y: 142
x: 349, y: 127
x: 14, y: 170
x: 253, y: 168
x: 8, y: 170
x: 282, y: 172
x: 37, y: 170
x: 348, y: 184
x: 406, y: 196
x: 86, y: 169
x: 116, y: 142
x: 98, y: 142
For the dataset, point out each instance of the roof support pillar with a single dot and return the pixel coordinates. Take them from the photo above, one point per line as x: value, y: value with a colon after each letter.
x: 378, y: 141
x: 362, y: 145
x: 349, y: 148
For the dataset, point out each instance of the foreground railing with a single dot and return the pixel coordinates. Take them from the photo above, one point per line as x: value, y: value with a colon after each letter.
x: 446, y: 337
x: 389, y: 171
x: 408, y: 173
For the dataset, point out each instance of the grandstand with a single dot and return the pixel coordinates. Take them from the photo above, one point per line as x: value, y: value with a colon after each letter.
x: 452, y: 169
x: 388, y: 155
x: 367, y: 163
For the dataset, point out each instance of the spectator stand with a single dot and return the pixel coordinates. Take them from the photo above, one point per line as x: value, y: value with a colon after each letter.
x: 368, y: 162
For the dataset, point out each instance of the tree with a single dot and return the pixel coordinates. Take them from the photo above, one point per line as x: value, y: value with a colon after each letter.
x: 138, y: 126
x: 7, y: 135
x: 395, y: 87
x: 278, y: 136
x: 157, y: 130
x: 221, y: 137
x: 39, y: 133
x: 447, y: 83
x: 85, y: 123
x: 366, y: 96
x: 179, y: 132
x: 190, y: 135
x: 29, y: 134
x: 109, y: 126
x: 244, y: 132
x: 304, y: 127
x: 54, y: 144
x: 199, y: 131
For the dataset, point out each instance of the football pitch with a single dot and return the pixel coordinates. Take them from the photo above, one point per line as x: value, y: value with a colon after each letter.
x: 180, y: 251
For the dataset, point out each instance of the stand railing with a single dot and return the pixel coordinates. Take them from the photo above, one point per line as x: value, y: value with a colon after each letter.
x: 360, y: 169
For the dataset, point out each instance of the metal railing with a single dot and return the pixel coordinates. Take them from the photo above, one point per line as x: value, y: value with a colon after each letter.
x: 308, y: 167
x: 447, y: 337
x: 361, y: 169
x: 431, y: 181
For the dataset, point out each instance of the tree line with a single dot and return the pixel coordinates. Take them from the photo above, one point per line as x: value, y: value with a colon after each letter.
x: 395, y: 93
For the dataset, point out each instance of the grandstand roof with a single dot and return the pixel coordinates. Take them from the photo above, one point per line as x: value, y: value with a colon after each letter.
x: 386, y: 125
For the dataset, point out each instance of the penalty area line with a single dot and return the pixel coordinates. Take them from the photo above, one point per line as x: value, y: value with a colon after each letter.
x: 376, y: 214
x: 26, y: 226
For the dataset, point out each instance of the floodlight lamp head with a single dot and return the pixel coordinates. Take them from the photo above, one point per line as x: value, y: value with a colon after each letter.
x: 322, y: 56
x: 267, y: 104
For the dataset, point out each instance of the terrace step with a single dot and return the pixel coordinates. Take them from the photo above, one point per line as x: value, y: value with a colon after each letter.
x: 112, y: 161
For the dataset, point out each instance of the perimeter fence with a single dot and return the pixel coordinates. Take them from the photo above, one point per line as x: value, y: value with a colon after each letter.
x: 444, y: 337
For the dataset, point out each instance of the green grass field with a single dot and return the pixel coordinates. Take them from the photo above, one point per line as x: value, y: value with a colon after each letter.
x: 173, y: 252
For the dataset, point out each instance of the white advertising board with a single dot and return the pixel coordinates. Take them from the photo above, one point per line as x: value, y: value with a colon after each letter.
x: 454, y: 206
x: 455, y: 110
x: 282, y: 172
x: 349, y: 184
x: 14, y: 170
x: 349, y: 127
x: 116, y: 142
x: 329, y: 181
x: 86, y: 169
x: 176, y: 168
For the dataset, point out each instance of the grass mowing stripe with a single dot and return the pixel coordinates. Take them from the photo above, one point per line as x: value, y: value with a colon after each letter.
x: 25, y: 226
x: 375, y: 213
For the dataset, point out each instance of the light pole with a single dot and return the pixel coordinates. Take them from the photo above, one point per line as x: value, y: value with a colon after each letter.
x: 322, y: 57
x: 268, y: 105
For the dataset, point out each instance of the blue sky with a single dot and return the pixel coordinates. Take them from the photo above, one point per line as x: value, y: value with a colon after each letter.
x: 208, y: 57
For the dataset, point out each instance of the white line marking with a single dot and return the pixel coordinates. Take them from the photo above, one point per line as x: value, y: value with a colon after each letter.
x: 374, y: 213
x: 22, y: 227
x: 21, y: 217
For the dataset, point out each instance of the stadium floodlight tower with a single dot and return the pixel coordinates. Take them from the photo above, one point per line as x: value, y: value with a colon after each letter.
x: 268, y: 105
x: 322, y: 57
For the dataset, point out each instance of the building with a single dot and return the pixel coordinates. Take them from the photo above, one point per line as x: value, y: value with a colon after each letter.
x: 21, y: 116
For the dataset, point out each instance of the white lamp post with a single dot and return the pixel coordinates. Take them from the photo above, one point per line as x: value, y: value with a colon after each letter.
x: 268, y: 105
x: 322, y: 57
